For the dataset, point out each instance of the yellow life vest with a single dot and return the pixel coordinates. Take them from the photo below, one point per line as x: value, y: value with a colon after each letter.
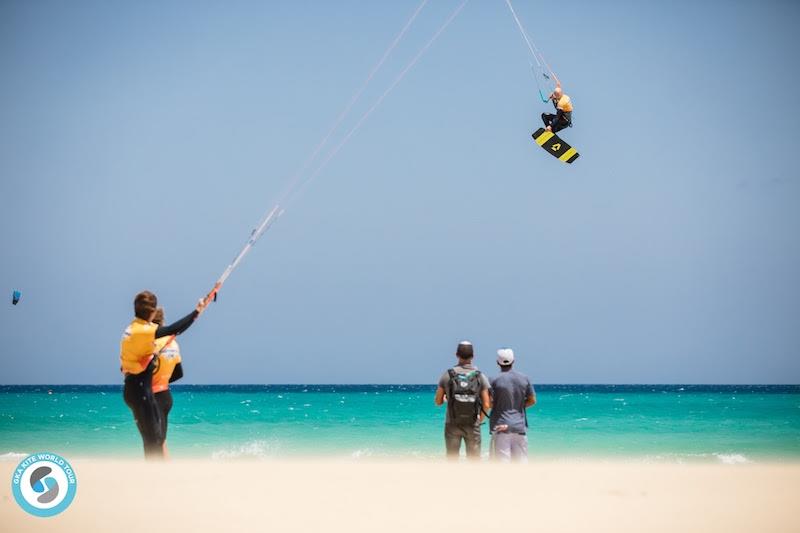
x: 169, y: 355
x: 137, y: 346
x: 564, y: 104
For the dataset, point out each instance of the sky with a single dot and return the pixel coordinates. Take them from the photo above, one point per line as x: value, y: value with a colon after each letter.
x: 140, y: 142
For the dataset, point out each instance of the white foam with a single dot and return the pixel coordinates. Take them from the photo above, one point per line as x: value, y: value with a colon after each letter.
x: 359, y: 454
x: 690, y: 458
x: 259, y: 449
x: 12, y: 456
x: 732, y: 458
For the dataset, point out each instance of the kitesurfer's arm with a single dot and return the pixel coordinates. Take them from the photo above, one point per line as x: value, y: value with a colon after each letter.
x: 176, y: 328
x: 177, y: 373
x: 556, y: 95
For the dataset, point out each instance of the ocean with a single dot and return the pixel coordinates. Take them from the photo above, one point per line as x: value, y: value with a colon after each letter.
x: 679, y: 423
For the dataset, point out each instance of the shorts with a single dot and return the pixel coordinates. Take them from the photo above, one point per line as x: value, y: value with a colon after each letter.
x: 471, y: 435
x: 507, y: 446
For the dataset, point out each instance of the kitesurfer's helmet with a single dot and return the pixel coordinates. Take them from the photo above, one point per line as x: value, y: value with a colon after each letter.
x: 464, y: 350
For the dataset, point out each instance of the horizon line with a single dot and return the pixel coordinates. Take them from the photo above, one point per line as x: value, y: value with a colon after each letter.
x: 396, y: 384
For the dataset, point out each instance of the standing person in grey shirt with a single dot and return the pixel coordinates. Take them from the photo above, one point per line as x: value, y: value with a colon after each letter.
x: 512, y: 393
x: 466, y: 391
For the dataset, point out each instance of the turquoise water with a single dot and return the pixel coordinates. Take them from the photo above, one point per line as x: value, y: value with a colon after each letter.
x: 673, y: 423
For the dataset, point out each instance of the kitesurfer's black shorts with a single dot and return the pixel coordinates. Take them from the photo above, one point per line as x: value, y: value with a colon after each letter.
x: 138, y: 394
x: 556, y: 122
x: 164, y: 401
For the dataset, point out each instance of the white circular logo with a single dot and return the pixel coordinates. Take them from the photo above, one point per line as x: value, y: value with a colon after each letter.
x: 44, y: 484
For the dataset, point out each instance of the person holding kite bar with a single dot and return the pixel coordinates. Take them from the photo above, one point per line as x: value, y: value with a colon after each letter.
x: 138, y: 361
x: 563, y: 117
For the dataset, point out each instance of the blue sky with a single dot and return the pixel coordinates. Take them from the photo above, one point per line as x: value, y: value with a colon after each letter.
x: 141, y: 142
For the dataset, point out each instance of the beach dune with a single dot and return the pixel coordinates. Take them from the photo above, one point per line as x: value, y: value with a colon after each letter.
x: 364, y: 495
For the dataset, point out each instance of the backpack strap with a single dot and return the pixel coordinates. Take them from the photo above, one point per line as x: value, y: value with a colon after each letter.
x: 478, y: 400
x: 450, y: 389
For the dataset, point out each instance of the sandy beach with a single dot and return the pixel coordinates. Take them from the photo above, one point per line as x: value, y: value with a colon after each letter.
x: 352, y: 496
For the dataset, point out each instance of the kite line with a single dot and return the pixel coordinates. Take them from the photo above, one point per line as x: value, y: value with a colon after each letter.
x: 292, y: 190
x: 388, y: 90
x: 542, y: 71
x: 353, y: 100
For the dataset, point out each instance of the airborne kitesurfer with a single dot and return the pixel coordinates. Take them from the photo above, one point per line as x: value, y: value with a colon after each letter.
x: 563, y: 116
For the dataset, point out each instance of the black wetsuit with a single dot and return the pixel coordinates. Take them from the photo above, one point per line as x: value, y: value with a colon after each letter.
x: 138, y: 394
x: 164, y: 399
x: 178, y: 327
x: 559, y: 121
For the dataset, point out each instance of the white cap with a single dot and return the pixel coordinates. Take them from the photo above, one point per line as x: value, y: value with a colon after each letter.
x: 505, y: 356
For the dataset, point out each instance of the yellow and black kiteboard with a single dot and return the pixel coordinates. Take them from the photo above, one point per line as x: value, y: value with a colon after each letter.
x: 553, y: 144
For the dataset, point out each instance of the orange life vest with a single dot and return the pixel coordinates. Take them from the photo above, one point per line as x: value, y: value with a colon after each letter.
x: 137, y: 346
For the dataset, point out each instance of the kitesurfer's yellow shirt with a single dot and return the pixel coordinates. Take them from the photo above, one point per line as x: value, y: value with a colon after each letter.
x: 564, y: 104
x: 168, y: 357
x: 137, y: 346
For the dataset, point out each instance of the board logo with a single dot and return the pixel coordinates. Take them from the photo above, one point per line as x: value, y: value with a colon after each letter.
x: 556, y: 147
x: 44, y: 484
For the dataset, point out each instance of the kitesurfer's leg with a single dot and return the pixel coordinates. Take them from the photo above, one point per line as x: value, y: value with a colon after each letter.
x: 138, y: 394
x: 548, y: 119
x: 164, y: 401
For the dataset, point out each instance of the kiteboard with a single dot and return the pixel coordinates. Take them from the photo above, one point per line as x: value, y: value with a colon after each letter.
x: 553, y: 144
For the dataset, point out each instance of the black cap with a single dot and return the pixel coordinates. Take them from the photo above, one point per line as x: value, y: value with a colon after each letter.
x: 465, y: 350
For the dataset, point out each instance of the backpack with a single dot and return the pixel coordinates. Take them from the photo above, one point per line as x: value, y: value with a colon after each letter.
x: 463, y: 397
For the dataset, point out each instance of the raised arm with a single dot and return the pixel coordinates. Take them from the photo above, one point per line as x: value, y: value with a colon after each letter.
x: 176, y: 328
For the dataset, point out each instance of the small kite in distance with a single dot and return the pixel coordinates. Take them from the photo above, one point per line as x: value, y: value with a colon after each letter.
x: 15, y: 296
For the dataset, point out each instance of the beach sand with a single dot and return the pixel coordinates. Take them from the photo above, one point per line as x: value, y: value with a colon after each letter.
x: 327, y: 495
